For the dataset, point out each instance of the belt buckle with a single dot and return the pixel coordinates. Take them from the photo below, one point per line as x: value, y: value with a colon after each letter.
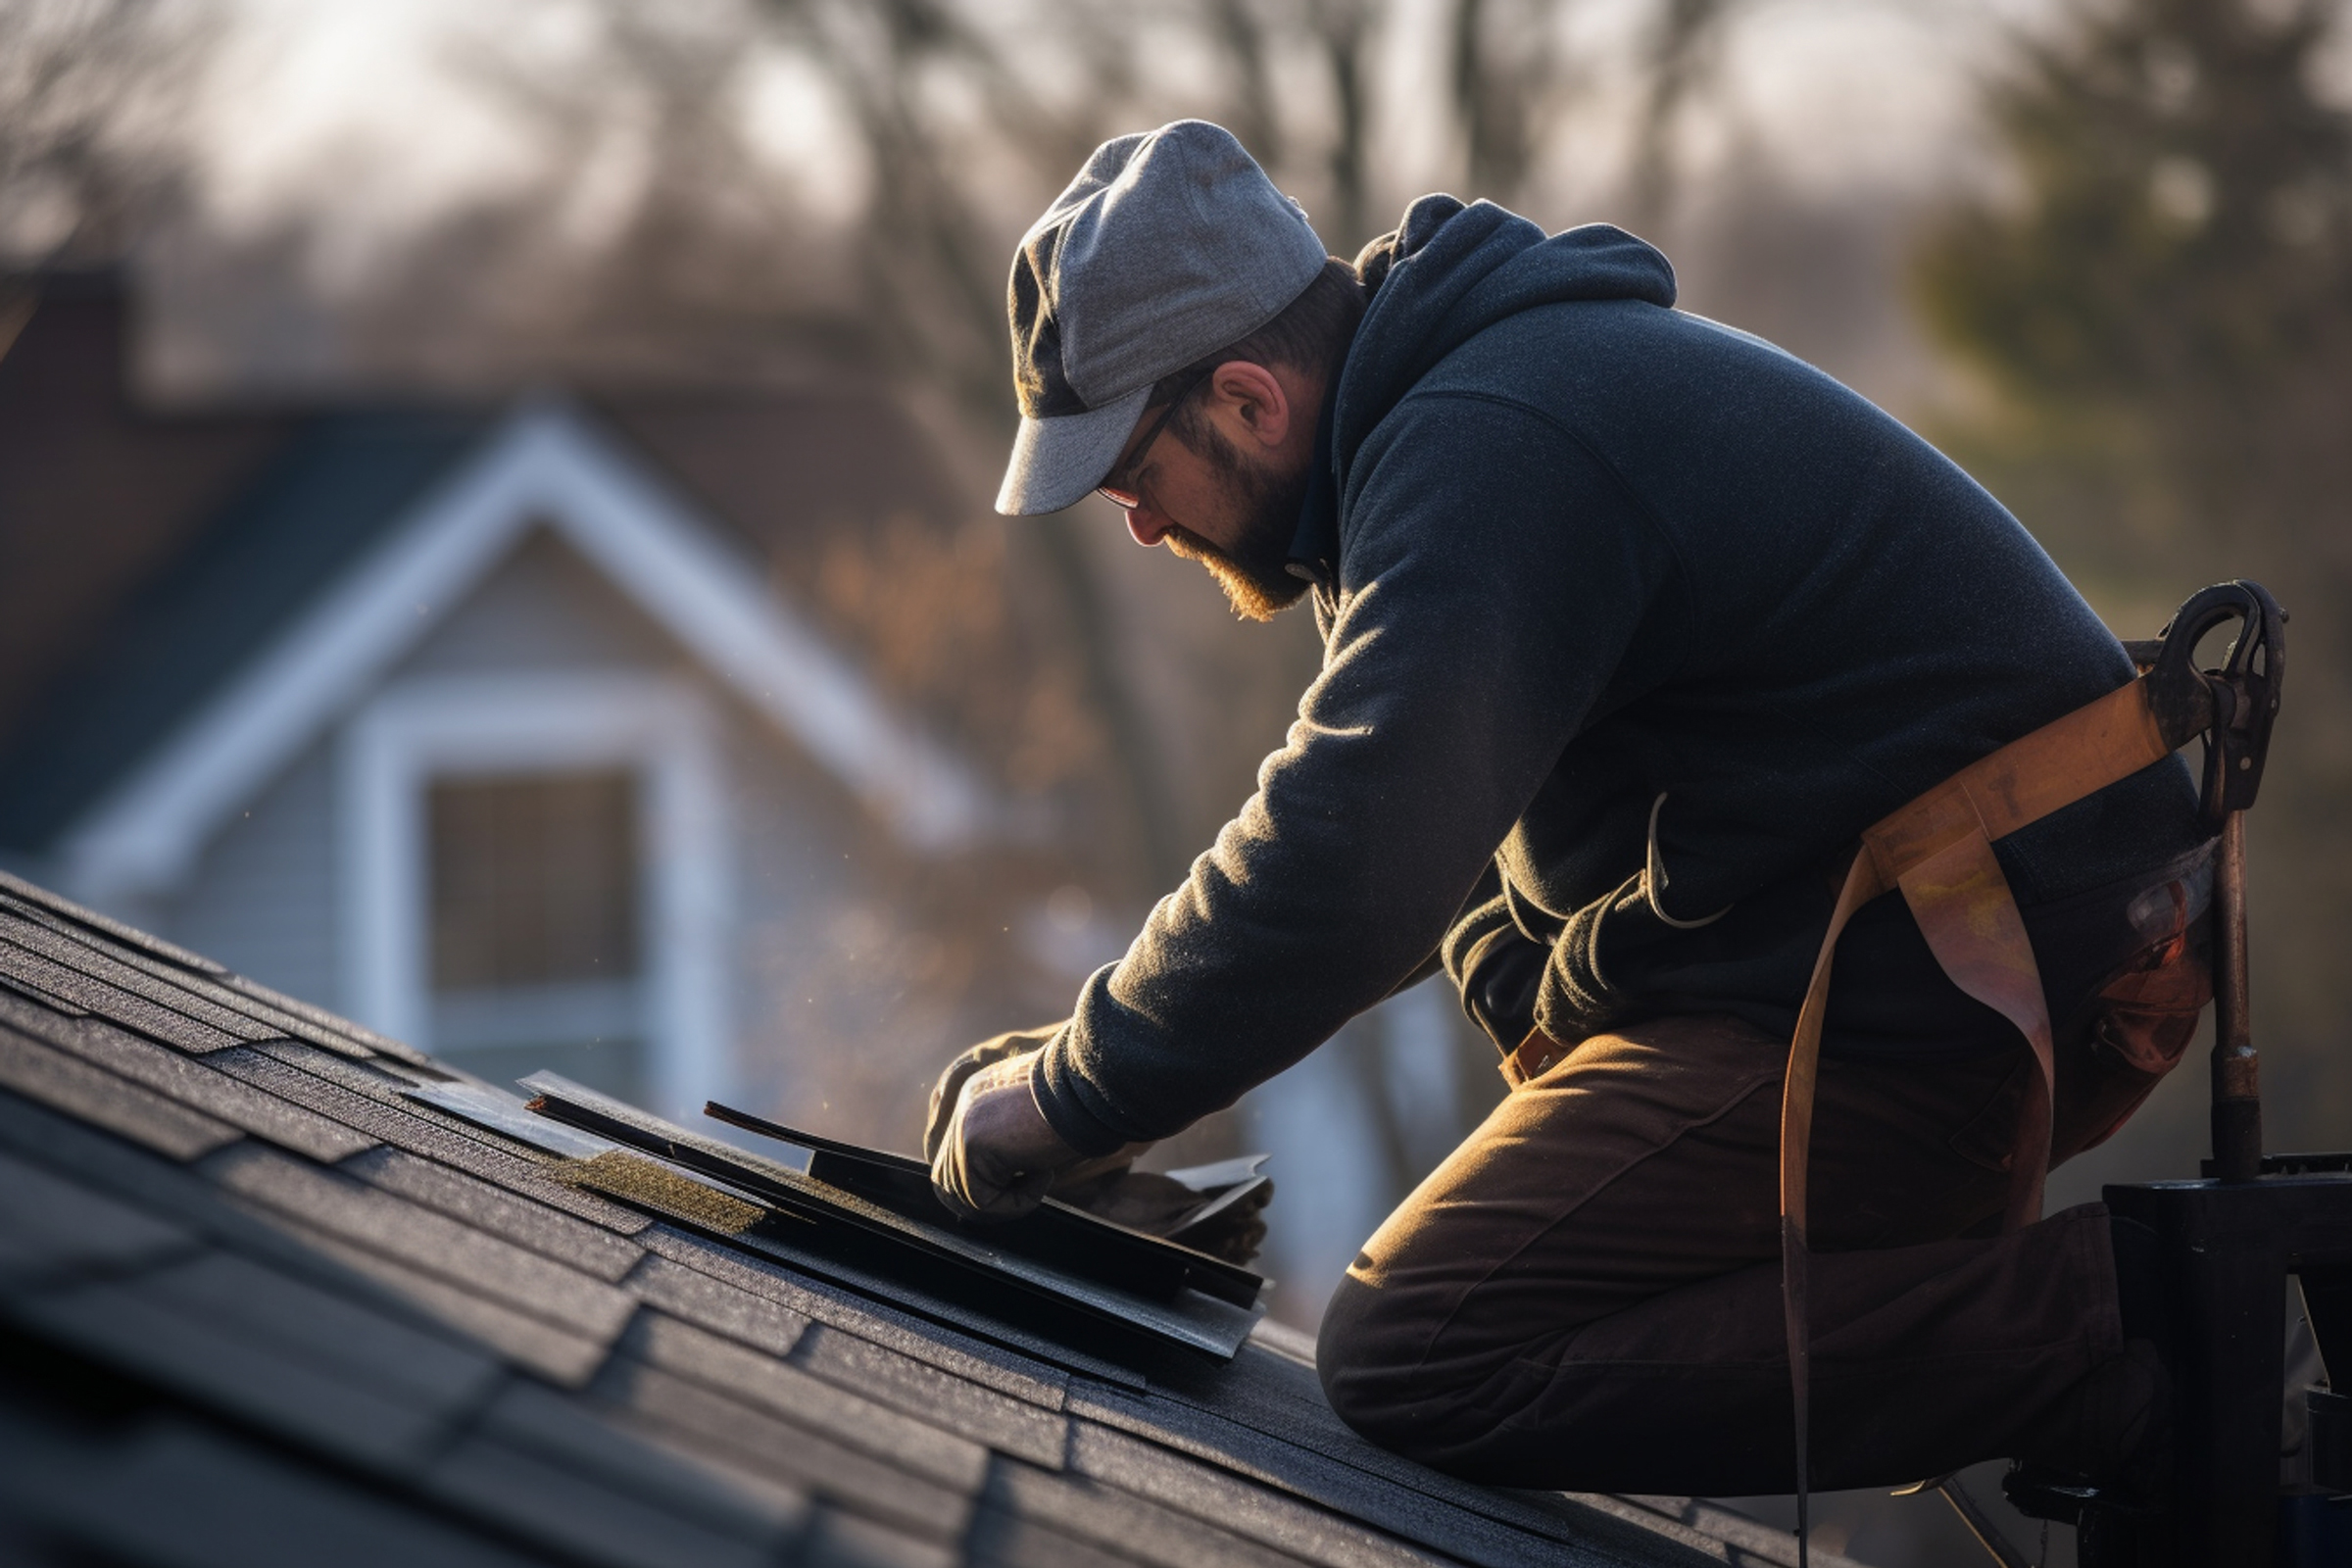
x: 1534, y: 1057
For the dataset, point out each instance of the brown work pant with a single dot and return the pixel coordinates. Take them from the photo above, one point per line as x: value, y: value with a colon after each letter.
x: 1586, y: 1295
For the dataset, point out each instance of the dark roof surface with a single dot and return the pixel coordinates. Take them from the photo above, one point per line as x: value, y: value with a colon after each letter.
x: 258, y: 1306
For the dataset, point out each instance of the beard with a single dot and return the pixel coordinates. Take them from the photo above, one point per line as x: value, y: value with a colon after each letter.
x: 1255, y: 573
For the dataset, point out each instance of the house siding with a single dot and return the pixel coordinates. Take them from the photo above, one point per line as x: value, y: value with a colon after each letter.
x: 263, y: 896
x: 542, y: 609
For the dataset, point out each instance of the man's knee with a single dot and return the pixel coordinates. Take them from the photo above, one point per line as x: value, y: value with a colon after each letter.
x: 1372, y: 1355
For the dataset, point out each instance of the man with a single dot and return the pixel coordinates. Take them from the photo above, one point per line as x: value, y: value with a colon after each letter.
x: 1631, y: 623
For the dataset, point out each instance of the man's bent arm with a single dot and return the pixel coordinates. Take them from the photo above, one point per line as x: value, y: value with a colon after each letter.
x: 1487, y: 601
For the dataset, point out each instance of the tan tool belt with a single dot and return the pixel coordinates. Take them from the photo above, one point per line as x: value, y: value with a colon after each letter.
x: 1938, y: 850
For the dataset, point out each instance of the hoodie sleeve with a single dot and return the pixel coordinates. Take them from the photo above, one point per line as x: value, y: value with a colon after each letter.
x: 1495, y: 580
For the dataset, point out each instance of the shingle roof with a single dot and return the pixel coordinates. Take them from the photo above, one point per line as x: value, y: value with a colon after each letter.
x: 258, y: 1306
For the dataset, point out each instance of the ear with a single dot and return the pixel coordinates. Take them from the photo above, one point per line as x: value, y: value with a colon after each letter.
x: 1250, y: 404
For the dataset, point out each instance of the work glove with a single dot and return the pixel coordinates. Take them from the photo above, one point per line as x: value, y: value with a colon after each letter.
x: 998, y: 1156
x: 971, y: 1154
x: 945, y: 1092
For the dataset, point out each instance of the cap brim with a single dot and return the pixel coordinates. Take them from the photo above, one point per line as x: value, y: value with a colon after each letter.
x: 1056, y: 462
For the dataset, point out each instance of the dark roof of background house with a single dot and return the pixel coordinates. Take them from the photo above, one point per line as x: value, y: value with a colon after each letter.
x: 331, y: 490
x: 785, y: 468
x: 255, y: 1306
x: 96, y: 492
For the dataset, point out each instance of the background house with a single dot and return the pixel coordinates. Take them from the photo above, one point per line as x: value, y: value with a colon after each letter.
x: 479, y: 724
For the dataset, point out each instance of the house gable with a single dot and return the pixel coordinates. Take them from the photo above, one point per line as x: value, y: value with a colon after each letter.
x: 545, y: 467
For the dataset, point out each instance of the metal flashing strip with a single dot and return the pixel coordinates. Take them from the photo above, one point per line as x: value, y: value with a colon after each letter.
x: 1189, y: 1317
x: 1069, y: 1238
x: 1224, y: 1185
x: 502, y: 1113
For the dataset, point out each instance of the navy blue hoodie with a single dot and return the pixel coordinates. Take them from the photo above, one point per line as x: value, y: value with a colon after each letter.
x: 1631, y: 623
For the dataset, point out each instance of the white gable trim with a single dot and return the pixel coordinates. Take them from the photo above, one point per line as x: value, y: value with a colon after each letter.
x: 547, y: 468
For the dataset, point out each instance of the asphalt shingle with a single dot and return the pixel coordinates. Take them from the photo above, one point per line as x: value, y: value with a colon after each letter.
x: 986, y: 1363
x: 232, y: 1365
x: 114, y: 1003
x: 487, y: 1207
x: 840, y: 1540
x: 984, y: 1309
x: 561, y: 1356
x: 196, y: 1082
x: 1137, y: 1530
x: 165, y: 1188
x: 39, y: 903
x: 97, y: 1097
x: 530, y: 1417
x: 723, y: 1308
x: 424, y: 1239
x: 338, y: 1035
x: 367, y: 1100
x: 584, y: 1516
x: 87, y: 957
x: 1491, y: 1529
x: 921, y: 1447
x: 51, y: 1229
x: 1016, y: 1427
x: 340, y: 1332
x: 178, y: 1492
x: 199, y: 978
x: 684, y: 1414
x: 1218, y: 1496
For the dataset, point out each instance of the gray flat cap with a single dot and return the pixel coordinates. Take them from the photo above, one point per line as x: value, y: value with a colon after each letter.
x: 1168, y: 246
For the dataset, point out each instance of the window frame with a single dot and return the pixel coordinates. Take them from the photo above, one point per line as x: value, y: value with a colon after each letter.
x: 661, y: 730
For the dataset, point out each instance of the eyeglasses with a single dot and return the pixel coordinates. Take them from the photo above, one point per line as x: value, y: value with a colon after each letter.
x: 1129, y: 500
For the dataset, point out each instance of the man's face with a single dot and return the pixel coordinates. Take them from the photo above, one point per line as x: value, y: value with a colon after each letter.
x: 1223, y: 481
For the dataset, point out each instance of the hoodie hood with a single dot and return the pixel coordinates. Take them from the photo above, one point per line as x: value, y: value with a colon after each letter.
x: 1450, y: 272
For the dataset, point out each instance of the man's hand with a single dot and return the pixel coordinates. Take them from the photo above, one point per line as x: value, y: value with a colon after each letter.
x: 950, y: 1088
x: 993, y: 1155
x: 998, y: 1156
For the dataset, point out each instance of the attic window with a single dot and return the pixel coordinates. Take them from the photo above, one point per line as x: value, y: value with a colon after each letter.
x: 534, y: 880
x: 534, y: 931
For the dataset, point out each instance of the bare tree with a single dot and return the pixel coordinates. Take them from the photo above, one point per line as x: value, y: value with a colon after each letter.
x: 1508, y: 81
x: 1680, y: 51
x: 91, y: 97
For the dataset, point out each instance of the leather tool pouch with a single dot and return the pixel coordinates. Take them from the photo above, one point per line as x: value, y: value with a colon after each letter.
x: 2147, y: 1017
x: 2148, y: 1014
